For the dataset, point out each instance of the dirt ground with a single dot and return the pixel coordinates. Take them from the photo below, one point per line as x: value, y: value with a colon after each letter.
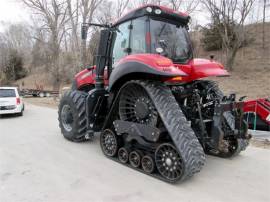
x: 51, y: 102
x: 260, y: 143
x: 251, y: 83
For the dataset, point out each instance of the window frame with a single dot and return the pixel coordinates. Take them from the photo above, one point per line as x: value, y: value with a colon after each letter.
x: 146, y: 28
x: 130, y: 27
x: 180, y: 24
x: 128, y: 40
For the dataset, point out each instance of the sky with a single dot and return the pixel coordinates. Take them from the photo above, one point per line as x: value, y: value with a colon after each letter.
x: 12, y: 11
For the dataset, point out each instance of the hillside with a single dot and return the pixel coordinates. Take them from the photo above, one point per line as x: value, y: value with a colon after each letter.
x: 251, y: 74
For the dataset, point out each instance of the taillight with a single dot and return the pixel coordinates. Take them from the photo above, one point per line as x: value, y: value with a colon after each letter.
x: 18, y: 100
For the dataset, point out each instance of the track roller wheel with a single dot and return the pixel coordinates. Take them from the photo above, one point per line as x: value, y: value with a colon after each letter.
x: 168, y: 162
x: 109, y: 144
x: 123, y: 155
x: 148, y: 164
x: 135, y: 159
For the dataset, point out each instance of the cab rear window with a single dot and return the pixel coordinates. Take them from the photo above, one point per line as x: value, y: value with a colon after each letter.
x: 7, y: 93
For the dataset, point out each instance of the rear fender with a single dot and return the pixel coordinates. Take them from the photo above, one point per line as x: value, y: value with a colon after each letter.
x: 86, y: 78
x: 138, y: 66
x: 201, y: 68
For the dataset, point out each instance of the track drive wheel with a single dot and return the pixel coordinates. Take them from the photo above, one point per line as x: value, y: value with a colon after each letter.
x: 168, y: 162
x: 148, y: 164
x: 135, y: 105
x: 109, y: 143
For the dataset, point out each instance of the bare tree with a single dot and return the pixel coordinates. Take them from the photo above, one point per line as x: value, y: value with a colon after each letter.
x: 231, y: 15
x: 185, y: 5
x: 137, y: 3
x: 73, y: 14
x: 105, y: 13
x: 88, y: 8
x: 264, y: 12
x: 121, y: 6
x: 53, y: 14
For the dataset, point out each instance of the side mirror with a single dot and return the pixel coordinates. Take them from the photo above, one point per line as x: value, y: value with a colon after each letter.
x: 84, y: 30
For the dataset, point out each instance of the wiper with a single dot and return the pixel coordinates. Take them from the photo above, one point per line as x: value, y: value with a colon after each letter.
x: 162, y: 28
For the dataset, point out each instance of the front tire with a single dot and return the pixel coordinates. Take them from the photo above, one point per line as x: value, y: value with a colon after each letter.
x: 72, y: 116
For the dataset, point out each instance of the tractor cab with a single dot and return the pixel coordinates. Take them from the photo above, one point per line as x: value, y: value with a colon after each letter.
x: 153, y: 29
x: 150, y: 41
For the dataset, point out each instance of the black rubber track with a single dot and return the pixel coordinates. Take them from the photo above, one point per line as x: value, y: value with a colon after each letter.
x: 241, y: 143
x: 177, y: 126
x: 76, y: 100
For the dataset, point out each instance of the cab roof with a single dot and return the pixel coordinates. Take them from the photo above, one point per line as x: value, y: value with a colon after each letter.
x: 157, y: 11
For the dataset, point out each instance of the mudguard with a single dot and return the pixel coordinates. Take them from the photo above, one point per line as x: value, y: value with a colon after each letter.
x: 87, y: 77
x: 153, y: 67
x: 198, y: 68
x: 150, y: 66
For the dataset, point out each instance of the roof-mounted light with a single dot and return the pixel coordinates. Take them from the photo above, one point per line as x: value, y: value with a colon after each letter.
x: 149, y: 9
x: 158, y: 11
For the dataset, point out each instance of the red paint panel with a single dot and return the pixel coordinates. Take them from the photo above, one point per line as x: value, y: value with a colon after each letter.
x: 155, y: 61
x: 148, y: 38
x: 200, y: 68
x: 260, y: 106
x: 87, y: 76
x: 193, y: 70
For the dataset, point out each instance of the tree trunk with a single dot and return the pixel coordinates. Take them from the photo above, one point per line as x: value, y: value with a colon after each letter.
x: 263, y: 32
x: 55, y: 50
x: 231, y: 54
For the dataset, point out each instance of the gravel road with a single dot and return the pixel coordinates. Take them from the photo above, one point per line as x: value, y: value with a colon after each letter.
x: 37, y: 164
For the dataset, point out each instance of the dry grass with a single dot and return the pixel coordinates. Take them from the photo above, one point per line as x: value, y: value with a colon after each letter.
x: 251, y: 74
x: 39, y: 76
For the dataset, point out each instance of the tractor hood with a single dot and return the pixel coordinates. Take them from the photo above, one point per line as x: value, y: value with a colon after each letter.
x: 200, y: 68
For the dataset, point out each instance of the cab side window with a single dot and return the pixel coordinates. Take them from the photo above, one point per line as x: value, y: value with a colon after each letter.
x: 137, y: 37
x: 121, y: 43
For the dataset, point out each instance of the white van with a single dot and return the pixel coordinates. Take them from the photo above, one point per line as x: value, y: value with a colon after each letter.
x: 11, y: 101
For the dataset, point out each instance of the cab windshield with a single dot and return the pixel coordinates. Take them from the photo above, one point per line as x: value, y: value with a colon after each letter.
x: 170, y: 40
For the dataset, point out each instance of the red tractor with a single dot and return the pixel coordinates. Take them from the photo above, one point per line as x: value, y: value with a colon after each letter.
x: 147, y: 98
